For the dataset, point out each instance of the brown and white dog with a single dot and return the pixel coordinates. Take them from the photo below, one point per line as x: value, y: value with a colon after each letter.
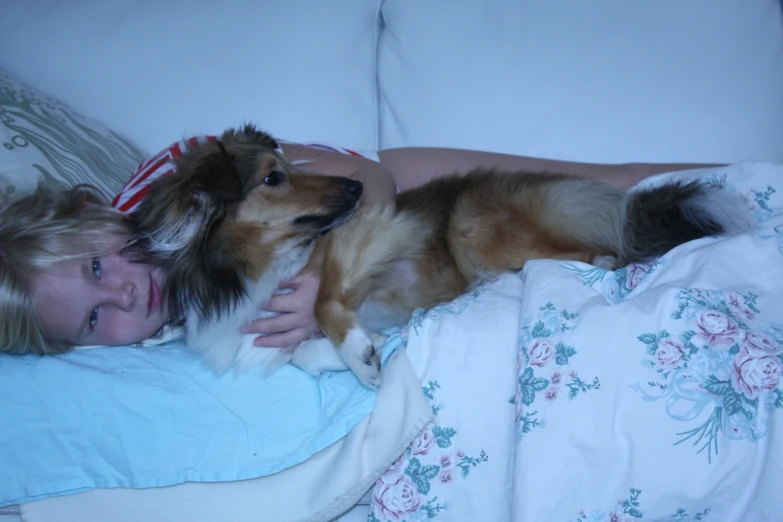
x: 238, y: 219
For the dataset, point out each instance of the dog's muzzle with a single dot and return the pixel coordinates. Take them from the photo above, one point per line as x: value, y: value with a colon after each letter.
x: 342, y: 208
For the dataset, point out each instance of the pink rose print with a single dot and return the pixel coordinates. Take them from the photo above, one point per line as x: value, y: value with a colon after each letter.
x: 749, y: 199
x: 518, y: 394
x: 517, y: 405
x: 395, y: 496
x: 460, y: 454
x: 734, y: 430
x: 555, y: 378
x: 716, y: 329
x: 397, y: 468
x: 453, y: 306
x: 751, y: 375
x: 541, y: 352
x: 423, y: 443
x: 445, y: 476
x: 445, y: 461
x: 759, y: 345
x: 737, y: 305
x: 635, y: 275
x: 669, y: 353
x: 551, y: 393
x: 520, y: 360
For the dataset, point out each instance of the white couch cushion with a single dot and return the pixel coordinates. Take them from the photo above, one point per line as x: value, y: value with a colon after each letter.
x: 595, y: 80
x: 157, y: 71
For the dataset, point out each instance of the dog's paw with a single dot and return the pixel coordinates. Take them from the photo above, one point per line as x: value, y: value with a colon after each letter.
x: 605, y: 262
x: 362, y: 357
x: 378, y: 340
x: 316, y: 356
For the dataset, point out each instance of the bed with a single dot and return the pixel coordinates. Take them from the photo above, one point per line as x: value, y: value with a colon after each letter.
x: 562, y: 392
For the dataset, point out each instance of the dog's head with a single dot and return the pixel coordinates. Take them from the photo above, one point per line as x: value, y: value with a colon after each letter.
x: 233, y: 207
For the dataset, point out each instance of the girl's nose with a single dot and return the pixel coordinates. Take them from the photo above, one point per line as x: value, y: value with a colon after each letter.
x: 125, y: 296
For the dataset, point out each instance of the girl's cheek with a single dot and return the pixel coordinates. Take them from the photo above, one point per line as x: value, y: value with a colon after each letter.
x: 117, y: 329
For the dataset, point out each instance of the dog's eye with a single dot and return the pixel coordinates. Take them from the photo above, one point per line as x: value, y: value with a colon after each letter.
x: 273, y: 178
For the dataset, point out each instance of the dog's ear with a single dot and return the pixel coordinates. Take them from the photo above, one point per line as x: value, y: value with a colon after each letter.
x: 180, y: 211
x: 217, y: 177
x: 250, y: 134
x: 211, y: 281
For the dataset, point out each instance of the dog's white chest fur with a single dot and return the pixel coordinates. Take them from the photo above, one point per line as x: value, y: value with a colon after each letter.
x: 221, y: 342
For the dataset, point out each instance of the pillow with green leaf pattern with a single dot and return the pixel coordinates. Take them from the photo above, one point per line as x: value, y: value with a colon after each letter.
x: 43, y: 139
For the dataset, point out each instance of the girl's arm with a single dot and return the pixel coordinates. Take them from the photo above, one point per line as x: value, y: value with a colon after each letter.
x: 412, y: 166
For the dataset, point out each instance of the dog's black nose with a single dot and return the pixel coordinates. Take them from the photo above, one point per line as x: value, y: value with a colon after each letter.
x: 354, y: 187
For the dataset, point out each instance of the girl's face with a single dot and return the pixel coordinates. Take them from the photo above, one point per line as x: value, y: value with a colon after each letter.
x: 101, y: 301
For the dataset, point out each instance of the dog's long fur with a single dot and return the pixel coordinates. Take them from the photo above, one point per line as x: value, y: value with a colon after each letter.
x: 238, y: 219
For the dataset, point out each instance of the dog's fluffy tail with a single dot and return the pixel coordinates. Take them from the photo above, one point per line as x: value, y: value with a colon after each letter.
x: 660, y: 218
x: 641, y: 225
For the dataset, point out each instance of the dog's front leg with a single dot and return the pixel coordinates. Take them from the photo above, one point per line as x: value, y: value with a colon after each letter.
x: 353, y: 343
x: 356, y: 256
x: 335, y: 310
x: 316, y: 356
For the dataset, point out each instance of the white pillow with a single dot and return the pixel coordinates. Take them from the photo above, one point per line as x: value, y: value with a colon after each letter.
x: 44, y: 139
x: 160, y: 71
x: 598, y: 80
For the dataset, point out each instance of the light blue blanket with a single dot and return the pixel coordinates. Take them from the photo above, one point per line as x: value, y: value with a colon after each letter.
x: 147, y: 417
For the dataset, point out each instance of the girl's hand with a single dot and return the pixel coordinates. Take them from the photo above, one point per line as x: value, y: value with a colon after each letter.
x: 295, y: 321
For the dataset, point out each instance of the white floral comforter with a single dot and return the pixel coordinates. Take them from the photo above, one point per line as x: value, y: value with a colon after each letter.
x: 570, y: 393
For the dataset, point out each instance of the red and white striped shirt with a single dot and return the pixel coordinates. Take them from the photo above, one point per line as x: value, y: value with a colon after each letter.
x: 137, y: 187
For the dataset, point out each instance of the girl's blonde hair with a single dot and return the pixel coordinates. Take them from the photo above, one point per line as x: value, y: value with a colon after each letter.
x: 38, y: 231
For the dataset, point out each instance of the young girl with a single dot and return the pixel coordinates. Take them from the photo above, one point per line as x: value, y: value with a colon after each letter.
x: 64, y: 283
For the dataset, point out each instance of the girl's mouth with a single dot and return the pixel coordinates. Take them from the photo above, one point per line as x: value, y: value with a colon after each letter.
x: 153, y: 303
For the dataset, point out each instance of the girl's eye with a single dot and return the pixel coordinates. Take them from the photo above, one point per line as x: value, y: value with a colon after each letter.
x: 93, y: 318
x: 96, y: 267
x: 273, y: 178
